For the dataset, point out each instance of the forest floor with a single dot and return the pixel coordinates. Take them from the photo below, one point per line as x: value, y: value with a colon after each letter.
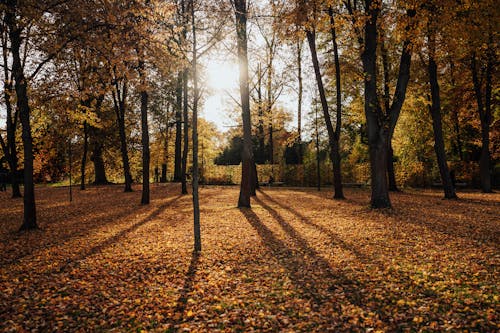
x: 296, y: 261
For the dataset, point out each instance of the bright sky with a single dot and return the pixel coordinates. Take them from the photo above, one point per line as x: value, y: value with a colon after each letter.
x: 222, y: 81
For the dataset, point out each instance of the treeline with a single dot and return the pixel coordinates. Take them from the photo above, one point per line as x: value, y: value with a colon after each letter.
x: 118, y: 84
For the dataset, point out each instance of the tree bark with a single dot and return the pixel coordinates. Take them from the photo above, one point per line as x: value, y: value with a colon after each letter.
x: 83, y: 165
x: 119, y: 99
x: 10, y: 147
x: 336, y: 160
x: 484, y: 112
x: 332, y: 136
x: 387, y: 102
x: 21, y: 88
x: 196, y: 204
x: 178, y: 129
x: 247, y: 154
x: 435, y: 110
x: 377, y: 133
x: 299, y: 98
x: 185, y: 148
x: 144, y: 138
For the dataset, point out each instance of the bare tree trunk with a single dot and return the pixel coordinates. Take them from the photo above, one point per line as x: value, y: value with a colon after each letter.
x: 435, y: 110
x: 196, y: 204
x: 387, y: 104
x: 119, y: 100
x: 185, y: 148
x: 163, y: 177
x: 247, y: 154
x: 335, y: 146
x: 332, y: 136
x: 299, y: 98
x: 455, y: 118
x: 83, y: 165
x: 144, y: 137
x: 178, y: 129
x: 21, y: 88
x: 10, y: 147
x: 484, y: 112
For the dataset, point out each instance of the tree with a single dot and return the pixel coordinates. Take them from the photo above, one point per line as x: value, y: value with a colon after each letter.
x: 9, y: 145
x: 247, y: 177
x: 196, y: 204
x: 435, y: 111
x: 333, y: 134
x: 380, y: 124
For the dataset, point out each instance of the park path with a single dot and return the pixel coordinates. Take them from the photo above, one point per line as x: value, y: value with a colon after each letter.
x: 296, y: 261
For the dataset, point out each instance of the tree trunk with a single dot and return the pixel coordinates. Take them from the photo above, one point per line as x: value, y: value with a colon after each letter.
x: 485, y: 119
x: 144, y: 138
x: 178, y: 129
x: 84, y: 154
x: 318, y: 168
x: 454, y: 114
x: 390, y: 169
x: 119, y: 100
x: 332, y: 136
x: 10, y: 147
x: 185, y: 148
x: 377, y: 134
x: 335, y: 145
x: 29, y: 220
x: 247, y: 155
x: 435, y: 110
x: 299, y: 98
x: 196, y: 204
x: 96, y: 158
x: 260, y: 113
x: 387, y: 102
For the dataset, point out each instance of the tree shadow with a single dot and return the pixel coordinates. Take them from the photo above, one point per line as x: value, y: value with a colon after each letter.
x: 117, y: 237
x: 187, y: 289
x: 453, y: 218
x: 335, y: 239
x: 308, y: 271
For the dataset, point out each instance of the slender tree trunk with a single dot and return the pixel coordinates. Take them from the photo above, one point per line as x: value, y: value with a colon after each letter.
x: 185, y: 148
x: 485, y: 120
x: 196, y: 204
x: 163, y: 177
x: 144, y: 138
x: 247, y: 155
x: 318, y: 168
x: 390, y: 153
x: 269, y: 103
x: 178, y: 129
x: 260, y: 113
x: 335, y: 151
x: 21, y: 88
x: 299, y: 98
x: 119, y: 100
x: 10, y: 147
x: 435, y: 110
x: 377, y: 133
x: 84, y: 154
x: 332, y: 136
x: 124, y: 153
x: 454, y: 114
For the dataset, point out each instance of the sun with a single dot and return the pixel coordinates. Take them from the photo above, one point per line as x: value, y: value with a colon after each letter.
x: 222, y: 75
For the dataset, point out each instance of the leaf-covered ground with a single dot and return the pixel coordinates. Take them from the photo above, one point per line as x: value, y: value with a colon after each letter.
x: 297, y: 261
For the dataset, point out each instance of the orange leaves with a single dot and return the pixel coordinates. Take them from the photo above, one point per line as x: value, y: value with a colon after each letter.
x: 297, y: 262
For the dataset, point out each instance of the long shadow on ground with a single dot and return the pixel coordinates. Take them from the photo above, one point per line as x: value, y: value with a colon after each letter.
x: 309, y: 272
